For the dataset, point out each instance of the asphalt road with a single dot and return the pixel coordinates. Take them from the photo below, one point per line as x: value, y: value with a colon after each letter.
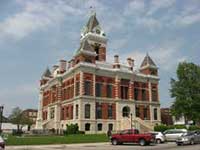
x: 106, y: 146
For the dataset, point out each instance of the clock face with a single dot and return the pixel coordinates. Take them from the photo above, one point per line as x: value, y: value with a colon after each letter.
x: 98, y: 31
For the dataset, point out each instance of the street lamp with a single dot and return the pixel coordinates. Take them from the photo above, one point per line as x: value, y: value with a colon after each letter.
x: 131, y: 121
x: 1, y: 117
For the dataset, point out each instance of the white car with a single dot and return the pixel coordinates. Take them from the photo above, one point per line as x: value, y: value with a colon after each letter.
x: 2, y: 143
x: 160, y: 138
x: 174, y: 134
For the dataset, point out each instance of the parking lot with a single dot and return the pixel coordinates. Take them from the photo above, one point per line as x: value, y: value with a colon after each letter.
x: 106, y: 146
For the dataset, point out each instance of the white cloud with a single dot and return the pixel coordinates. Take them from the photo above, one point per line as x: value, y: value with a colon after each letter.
x: 36, y: 15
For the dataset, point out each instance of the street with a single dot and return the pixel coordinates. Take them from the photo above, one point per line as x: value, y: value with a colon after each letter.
x: 106, y: 146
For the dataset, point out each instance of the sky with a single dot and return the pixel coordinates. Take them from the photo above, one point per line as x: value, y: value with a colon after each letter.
x: 35, y: 34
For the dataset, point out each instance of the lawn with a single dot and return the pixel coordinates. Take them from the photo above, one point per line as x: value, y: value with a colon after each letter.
x: 41, y: 140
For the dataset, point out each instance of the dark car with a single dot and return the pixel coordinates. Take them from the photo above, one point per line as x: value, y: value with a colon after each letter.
x: 132, y: 136
x: 189, y: 138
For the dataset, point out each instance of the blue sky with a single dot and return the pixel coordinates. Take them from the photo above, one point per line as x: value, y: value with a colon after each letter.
x: 35, y: 34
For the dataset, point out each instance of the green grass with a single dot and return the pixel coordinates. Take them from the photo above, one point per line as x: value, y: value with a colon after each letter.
x: 42, y: 140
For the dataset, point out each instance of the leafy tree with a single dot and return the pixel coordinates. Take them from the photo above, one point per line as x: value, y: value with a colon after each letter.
x: 17, y: 117
x: 186, y: 91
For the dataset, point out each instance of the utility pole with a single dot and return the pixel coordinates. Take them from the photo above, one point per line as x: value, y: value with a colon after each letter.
x: 131, y: 121
x: 1, y: 119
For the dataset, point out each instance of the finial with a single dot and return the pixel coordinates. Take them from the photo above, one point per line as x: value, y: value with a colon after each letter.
x: 92, y: 11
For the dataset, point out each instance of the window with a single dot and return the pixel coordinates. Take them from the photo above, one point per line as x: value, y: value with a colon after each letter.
x: 110, y: 111
x: 155, y: 114
x: 52, y: 113
x: 97, y: 51
x: 62, y: 114
x: 125, y: 111
x: 99, y: 127
x: 154, y: 94
x: 136, y: 92
x: 67, y: 112
x: 87, y: 111
x: 98, y: 89
x: 99, y: 112
x: 110, y: 126
x: 137, y: 112
x: 124, y: 92
x: 77, y: 88
x: 76, y: 111
x: 87, y: 127
x: 87, y: 87
x: 109, y: 91
x: 143, y: 94
x: 145, y: 113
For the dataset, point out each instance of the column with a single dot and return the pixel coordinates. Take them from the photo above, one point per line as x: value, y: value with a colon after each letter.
x: 94, y: 85
x: 117, y: 84
x: 81, y: 84
x: 130, y: 90
x: 150, y: 100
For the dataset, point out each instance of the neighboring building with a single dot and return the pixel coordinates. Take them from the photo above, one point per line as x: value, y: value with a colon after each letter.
x: 166, y: 116
x: 9, y: 127
x: 31, y: 114
x: 98, y: 95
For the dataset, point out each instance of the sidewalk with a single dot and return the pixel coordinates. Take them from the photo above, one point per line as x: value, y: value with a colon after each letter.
x: 56, y: 146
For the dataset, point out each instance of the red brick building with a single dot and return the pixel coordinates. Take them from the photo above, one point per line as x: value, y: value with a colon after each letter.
x: 166, y: 116
x: 96, y: 94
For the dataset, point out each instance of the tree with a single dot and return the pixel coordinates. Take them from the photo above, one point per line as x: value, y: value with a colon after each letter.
x: 17, y: 117
x: 186, y: 91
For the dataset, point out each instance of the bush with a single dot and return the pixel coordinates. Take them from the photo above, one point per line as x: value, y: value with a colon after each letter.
x: 72, y: 129
x: 160, y: 128
x: 193, y: 127
x: 81, y: 132
x: 17, y: 132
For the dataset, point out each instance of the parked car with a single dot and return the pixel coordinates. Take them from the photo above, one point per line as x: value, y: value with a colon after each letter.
x: 132, y: 136
x: 160, y: 138
x: 2, y: 143
x: 174, y: 134
x: 189, y: 138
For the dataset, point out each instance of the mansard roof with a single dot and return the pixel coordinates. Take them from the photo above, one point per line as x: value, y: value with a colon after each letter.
x: 47, y: 73
x: 147, y: 61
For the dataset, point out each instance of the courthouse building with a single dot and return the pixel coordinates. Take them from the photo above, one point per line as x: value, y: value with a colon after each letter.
x: 96, y: 94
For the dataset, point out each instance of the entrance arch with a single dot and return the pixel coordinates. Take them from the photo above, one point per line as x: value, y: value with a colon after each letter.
x: 126, y: 111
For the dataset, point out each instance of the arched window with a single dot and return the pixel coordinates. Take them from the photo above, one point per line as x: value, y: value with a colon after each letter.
x: 87, y: 127
x: 125, y: 111
x: 99, y: 126
x: 87, y: 111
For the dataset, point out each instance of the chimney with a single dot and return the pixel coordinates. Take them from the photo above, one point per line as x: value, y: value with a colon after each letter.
x: 116, y: 59
x: 130, y: 62
x: 62, y: 66
x: 116, y: 62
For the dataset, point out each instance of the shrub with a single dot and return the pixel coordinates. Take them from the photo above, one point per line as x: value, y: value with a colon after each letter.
x: 193, y: 127
x: 160, y: 128
x: 71, y: 129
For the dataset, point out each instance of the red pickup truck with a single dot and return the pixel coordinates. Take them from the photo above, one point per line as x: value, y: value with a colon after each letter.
x: 132, y: 136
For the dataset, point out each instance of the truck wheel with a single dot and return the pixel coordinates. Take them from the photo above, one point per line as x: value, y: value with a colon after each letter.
x: 142, y: 142
x: 158, y: 141
x: 114, y: 142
